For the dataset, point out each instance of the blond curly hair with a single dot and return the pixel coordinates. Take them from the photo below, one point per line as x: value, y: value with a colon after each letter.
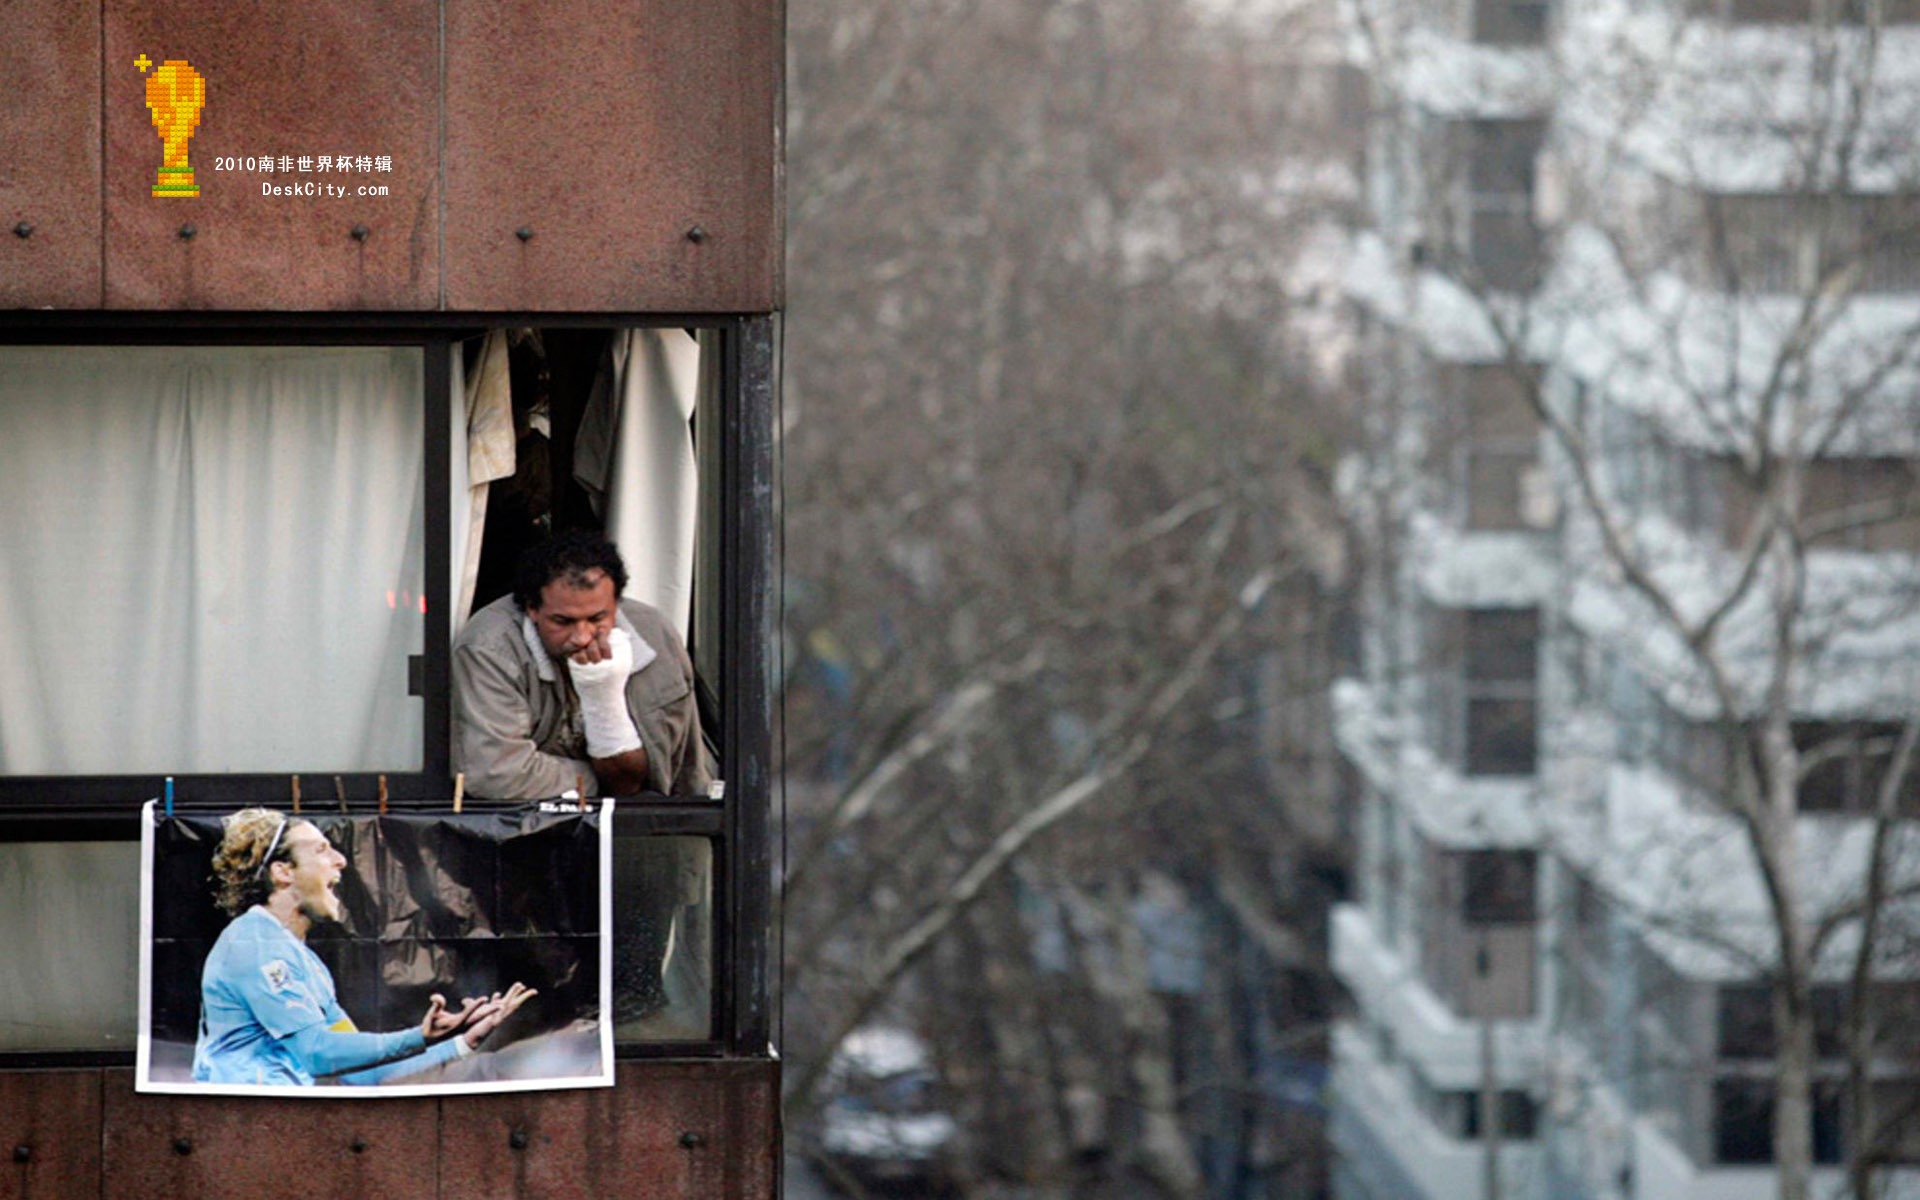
x: 238, y: 881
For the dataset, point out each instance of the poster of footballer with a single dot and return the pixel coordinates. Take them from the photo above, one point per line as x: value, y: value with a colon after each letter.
x: 359, y: 955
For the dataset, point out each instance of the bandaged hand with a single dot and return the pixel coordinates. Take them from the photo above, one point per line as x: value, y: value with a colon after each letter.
x: 602, y: 688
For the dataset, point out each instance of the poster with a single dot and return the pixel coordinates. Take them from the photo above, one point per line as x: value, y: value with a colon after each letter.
x: 363, y: 956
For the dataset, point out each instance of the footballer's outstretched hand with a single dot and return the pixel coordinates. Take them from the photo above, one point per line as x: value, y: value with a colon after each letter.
x: 494, y: 1010
x: 442, y: 1021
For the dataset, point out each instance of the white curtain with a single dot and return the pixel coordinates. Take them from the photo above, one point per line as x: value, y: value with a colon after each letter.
x: 634, y: 455
x: 211, y: 559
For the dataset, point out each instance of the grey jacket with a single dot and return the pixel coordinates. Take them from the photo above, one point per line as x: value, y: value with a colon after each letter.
x: 517, y: 732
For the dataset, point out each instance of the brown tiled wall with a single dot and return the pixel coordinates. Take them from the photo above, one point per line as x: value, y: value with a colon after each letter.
x: 634, y: 143
x: 706, y: 1130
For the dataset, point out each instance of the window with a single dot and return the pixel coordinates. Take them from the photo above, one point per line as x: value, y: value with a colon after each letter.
x: 663, y: 901
x: 1589, y: 930
x: 1478, y: 937
x: 1743, y: 1121
x: 1481, y: 686
x: 214, y: 561
x: 1896, y: 1109
x: 217, y: 569
x: 1498, y: 447
x: 1797, y: 12
x: 1696, y: 754
x: 1502, y: 242
x: 1746, y: 1021
x: 54, y: 897
x: 1868, y: 504
x: 1519, y: 1115
x: 619, y: 431
x: 1385, y: 882
x: 1845, y: 764
x: 1509, y: 22
x: 1500, y: 667
x: 1796, y: 242
x: 1457, y: 1113
x: 1651, y: 472
x: 1497, y: 887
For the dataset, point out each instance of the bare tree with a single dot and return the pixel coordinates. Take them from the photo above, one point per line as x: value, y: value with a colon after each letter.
x: 1062, y: 548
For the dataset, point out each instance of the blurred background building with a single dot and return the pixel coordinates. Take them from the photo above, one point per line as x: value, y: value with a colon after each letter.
x: 1637, y: 512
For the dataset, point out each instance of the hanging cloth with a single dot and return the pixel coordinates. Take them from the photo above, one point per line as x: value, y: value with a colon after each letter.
x: 634, y: 456
x: 489, y: 456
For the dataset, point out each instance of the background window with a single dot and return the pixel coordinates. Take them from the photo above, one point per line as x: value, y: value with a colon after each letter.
x: 1497, y: 887
x: 1498, y: 448
x: 1500, y: 667
x: 1502, y: 240
x: 1509, y: 22
x: 1743, y: 1121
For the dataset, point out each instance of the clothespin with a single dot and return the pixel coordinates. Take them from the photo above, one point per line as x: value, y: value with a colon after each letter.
x: 340, y: 793
x: 383, y: 795
x: 296, y: 795
x: 459, y: 790
x: 169, y: 795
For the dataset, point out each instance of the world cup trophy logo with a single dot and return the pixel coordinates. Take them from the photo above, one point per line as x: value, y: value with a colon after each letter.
x: 175, y: 95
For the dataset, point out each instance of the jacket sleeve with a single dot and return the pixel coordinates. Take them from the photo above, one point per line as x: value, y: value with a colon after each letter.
x: 693, y: 765
x: 493, y: 735
x: 400, y: 1068
x: 324, y: 1051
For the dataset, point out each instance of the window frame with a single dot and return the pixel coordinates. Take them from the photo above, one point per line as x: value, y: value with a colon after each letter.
x: 736, y: 709
x: 95, y: 807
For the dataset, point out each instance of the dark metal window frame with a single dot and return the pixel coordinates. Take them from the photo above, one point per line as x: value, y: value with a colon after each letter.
x: 740, y: 702
x: 100, y: 807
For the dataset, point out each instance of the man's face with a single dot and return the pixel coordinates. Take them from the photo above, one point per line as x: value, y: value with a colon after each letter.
x: 570, y: 617
x: 316, y: 868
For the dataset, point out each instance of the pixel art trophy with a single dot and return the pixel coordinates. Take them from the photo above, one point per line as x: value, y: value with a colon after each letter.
x: 175, y: 93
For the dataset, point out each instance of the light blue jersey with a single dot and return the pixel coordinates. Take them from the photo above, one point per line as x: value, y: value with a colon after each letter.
x: 268, y: 1015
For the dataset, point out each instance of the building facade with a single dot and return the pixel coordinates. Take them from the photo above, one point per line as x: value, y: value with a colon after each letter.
x: 231, y: 400
x: 1638, y: 650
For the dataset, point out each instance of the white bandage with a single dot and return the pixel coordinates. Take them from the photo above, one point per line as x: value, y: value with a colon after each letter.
x: 602, y: 688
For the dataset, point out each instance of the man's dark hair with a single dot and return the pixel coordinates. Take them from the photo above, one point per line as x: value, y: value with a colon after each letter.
x: 574, y: 556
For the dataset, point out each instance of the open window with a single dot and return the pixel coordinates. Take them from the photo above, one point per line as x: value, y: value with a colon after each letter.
x: 613, y: 431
